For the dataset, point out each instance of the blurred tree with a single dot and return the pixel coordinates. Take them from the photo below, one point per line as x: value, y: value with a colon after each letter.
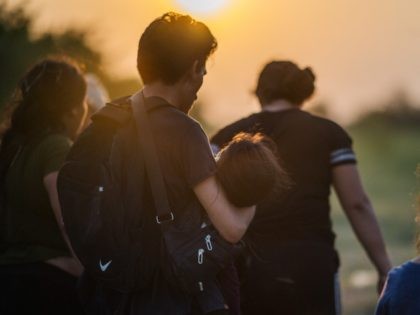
x: 398, y: 112
x: 19, y: 49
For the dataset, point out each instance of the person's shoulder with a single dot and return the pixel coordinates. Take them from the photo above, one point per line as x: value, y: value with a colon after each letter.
x: 407, y: 269
x: 403, y: 275
x: 323, y: 121
x: 225, y: 134
x: 182, y: 121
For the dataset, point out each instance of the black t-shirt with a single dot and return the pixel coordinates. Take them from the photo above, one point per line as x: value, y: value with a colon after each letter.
x: 184, y: 152
x: 308, y: 147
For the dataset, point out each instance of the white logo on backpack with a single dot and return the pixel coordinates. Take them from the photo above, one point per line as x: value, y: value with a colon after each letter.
x: 104, y: 267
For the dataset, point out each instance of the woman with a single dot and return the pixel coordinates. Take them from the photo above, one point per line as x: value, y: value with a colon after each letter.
x: 37, y: 269
x: 293, y: 266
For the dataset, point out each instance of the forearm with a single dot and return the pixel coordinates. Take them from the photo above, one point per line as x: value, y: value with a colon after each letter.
x: 230, y: 221
x: 50, y: 182
x: 367, y: 230
x: 359, y: 211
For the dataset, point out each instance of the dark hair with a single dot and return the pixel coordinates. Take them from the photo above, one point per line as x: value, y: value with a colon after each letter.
x: 248, y: 170
x: 170, y: 45
x: 285, y: 80
x: 48, y: 92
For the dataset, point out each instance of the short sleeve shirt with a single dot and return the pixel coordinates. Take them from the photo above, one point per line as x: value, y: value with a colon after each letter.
x: 402, y: 290
x: 184, y: 152
x: 308, y: 147
x: 30, y: 232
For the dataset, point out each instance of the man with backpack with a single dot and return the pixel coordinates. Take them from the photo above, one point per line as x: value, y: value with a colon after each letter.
x: 140, y: 259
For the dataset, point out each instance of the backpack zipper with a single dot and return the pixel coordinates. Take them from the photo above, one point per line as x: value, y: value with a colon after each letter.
x: 200, y: 256
x: 208, y: 242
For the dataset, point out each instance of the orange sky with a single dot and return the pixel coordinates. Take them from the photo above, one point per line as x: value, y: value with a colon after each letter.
x: 361, y: 50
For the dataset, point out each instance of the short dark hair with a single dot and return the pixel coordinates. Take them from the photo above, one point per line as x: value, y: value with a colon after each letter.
x: 285, y: 80
x: 249, y: 171
x: 170, y: 45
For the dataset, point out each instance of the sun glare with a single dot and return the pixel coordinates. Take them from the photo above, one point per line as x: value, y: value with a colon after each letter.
x: 202, y: 6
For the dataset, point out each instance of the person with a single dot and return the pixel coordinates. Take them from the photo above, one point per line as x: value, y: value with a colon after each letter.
x: 402, y: 287
x: 171, y: 60
x: 38, y: 272
x: 249, y: 172
x: 293, y: 265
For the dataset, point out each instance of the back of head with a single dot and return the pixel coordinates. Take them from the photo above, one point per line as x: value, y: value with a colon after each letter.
x: 45, y: 95
x: 285, y: 80
x: 249, y: 171
x: 170, y: 45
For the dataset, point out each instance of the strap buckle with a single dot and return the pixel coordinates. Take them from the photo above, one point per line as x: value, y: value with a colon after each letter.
x: 165, y: 218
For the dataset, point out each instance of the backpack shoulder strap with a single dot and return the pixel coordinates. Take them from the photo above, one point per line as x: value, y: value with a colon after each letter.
x: 147, y: 145
x: 118, y: 111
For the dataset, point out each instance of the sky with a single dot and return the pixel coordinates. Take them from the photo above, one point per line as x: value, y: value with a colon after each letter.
x: 362, y: 51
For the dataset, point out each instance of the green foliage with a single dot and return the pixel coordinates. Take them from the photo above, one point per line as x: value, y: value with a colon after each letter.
x: 19, y: 49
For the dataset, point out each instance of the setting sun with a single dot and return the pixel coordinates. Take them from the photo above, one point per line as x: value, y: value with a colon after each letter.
x: 202, y: 6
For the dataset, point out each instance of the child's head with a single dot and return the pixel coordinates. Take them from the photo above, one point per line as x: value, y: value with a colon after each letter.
x: 249, y: 171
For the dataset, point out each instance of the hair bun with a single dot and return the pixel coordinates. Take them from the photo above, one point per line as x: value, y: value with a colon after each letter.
x: 310, y: 73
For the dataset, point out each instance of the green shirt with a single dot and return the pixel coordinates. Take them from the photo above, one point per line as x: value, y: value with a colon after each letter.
x: 30, y: 230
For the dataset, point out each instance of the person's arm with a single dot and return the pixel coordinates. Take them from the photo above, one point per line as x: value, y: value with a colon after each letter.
x: 71, y: 265
x: 230, y: 221
x: 359, y: 211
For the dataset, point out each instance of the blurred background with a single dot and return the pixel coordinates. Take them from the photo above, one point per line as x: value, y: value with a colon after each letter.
x: 366, y: 55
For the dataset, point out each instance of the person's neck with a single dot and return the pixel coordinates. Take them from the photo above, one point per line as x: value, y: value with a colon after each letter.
x: 169, y: 93
x: 279, y: 105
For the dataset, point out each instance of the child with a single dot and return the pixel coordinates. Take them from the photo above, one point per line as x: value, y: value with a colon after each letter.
x: 248, y: 172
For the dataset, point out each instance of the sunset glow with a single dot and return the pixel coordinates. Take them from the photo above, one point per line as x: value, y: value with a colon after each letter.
x: 202, y: 6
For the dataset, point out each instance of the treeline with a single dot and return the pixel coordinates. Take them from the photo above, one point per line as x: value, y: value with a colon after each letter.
x: 398, y: 111
x: 19, y: 49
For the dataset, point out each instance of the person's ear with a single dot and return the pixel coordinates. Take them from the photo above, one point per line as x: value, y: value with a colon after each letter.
x: 198, y: 69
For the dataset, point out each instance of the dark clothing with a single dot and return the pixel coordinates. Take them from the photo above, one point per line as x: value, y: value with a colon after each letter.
x: 293, y: 278
x: 30, y: 235
x: 229, y: 283
x: 29, y: 232
x: 308, y: 147
x: 402, y: 291
x: 185, y: 159
x: 293, y: 262
x: 37, y: 289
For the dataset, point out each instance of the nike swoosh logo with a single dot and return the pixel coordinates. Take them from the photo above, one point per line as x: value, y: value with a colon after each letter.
x: 104, y: 267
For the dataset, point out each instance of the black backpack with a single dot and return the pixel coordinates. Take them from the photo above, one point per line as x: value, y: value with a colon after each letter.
x: 117, y: 214
x: 105, y: 201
